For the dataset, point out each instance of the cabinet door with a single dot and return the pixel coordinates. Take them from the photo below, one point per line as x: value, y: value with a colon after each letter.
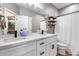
x: 31, y: 53
x: 18, y: 50
x: 51, y: 49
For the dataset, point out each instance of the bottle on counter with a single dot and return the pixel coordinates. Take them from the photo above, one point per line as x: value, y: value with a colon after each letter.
x: 15, y: 33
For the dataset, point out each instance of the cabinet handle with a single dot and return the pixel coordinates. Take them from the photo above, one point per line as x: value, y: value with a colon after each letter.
x: 42, y: 53
x: 42, y: 43
x: 52, y: 46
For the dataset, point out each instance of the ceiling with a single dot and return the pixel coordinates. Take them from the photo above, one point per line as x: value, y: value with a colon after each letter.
x: 60, y: 5
x: 33, y: 7
x: 39, y: 10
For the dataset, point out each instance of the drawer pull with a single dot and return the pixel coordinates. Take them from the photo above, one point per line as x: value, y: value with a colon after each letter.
x: 52, y: 46
x: 41, y: 53
x: 42, y: 43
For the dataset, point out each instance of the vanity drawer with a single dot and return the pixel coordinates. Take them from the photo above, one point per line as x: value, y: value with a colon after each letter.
x: 19, y: 50
x: 41, y: 44
x: 41, y: 52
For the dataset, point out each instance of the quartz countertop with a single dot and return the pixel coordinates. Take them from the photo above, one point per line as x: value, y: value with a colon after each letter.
x: 10, y: 40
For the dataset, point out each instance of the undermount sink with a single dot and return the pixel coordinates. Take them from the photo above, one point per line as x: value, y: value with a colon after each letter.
x: 4, y: 40
x: 11, y: 39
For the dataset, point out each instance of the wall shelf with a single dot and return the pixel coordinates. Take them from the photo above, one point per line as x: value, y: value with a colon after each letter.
x: 51, y: 22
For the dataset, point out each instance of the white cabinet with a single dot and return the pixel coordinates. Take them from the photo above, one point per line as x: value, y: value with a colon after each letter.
x: 41, y: 47
x: 19, y: 50
x: 51, y: 49
x: 47, y: 46
x: 31, y: 53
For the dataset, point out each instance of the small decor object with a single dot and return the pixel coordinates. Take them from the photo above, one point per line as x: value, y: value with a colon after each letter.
x: 2, y: 24
x: 23, y: 33
x: 11, y: 17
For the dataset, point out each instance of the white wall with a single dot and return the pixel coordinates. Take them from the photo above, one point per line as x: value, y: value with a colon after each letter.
x: 13, y: 7
x: 69, y: 9
x: 50, y: 9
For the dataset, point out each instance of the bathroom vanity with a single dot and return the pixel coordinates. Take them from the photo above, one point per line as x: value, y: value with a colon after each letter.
x: 32, y: 45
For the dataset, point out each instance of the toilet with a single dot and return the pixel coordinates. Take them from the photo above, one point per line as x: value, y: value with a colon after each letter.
x: 62, y: 48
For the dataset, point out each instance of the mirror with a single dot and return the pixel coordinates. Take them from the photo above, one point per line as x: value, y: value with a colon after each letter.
x: 43, y: 25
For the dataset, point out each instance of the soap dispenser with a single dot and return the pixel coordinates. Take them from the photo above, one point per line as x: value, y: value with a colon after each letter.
x: 42, y: 32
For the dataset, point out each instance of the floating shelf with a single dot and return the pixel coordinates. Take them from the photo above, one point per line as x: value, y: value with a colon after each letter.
x: 52, y: 17
x: 53, y: 21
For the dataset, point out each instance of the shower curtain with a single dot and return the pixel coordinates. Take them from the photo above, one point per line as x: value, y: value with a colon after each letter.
x: 67, y: 30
